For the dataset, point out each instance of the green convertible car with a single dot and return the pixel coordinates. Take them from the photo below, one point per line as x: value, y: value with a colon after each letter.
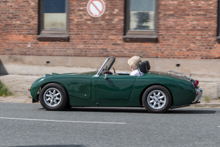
x: 155, y: 91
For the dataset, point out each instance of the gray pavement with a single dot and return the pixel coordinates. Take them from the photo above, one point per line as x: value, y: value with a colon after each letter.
x: 28, y: 125
x: 19, y: 85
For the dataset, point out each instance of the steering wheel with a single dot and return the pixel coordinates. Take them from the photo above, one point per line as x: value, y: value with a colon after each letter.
x: 107, y: 72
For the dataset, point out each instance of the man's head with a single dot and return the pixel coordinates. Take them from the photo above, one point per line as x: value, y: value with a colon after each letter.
x: 134, y: 62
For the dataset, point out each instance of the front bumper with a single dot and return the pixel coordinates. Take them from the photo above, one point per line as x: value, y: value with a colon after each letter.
x: 199, y: 95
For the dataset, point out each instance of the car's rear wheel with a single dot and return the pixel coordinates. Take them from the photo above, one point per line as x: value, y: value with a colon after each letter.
x: 157, y: 99
x: 53, y: 97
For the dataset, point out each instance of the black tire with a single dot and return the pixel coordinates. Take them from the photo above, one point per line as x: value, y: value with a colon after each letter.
x: 53, y: 97
x: 157, y: 99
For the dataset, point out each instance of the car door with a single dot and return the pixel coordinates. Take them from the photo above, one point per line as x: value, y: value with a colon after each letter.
x: 114, y: 87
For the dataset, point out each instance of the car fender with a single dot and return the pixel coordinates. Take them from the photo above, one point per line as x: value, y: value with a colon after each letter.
x: 182, y: 91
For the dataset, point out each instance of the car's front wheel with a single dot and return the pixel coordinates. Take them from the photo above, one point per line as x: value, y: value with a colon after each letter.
x: 157, y: 99
x: 53, y: 97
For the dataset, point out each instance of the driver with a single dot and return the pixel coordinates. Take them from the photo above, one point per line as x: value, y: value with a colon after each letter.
x: 134, y: 63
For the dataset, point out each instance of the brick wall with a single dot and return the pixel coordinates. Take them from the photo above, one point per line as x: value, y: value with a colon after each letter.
x: 186, y: 29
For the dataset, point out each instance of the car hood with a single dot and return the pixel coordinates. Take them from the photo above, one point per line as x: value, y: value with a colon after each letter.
x: 55, y: 76
x: 84, y: 73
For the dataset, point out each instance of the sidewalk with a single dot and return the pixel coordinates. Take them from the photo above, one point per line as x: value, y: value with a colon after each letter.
x: 19, y: 85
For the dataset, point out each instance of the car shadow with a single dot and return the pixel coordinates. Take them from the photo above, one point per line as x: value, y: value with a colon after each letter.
x: 142, y: 110
x: 108, y: 109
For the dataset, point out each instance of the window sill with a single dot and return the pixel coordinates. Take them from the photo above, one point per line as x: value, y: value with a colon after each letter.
x: 140, y: 38
x: 53, y: 37
x: 218, y: 39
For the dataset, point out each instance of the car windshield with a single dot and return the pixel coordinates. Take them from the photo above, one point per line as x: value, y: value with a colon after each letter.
x: 106, y: 65
x: 109, y: 64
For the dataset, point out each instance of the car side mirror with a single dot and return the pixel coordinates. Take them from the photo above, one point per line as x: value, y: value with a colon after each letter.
x: 106, y: 78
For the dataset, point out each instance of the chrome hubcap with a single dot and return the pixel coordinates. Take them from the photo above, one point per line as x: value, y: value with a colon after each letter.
x: 156, y: 99
x: 52, y: 97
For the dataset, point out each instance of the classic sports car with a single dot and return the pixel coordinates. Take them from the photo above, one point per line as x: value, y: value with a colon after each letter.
x: 155, y: 91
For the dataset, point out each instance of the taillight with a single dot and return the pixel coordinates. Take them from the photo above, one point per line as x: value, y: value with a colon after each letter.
x: 196, y: 83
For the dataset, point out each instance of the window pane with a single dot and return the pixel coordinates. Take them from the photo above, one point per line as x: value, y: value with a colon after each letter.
x: 55, y: 14
x: 142, y: 14
x: 54, y: 6
x: 55, y: 21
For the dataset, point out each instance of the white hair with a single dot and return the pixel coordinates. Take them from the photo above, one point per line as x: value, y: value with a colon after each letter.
x: 134, y: 62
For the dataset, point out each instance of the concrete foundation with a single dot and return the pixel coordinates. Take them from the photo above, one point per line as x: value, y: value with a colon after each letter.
x: 43, y: 64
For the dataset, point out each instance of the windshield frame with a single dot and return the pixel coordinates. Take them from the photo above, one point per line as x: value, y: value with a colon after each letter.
x: 107, y: 61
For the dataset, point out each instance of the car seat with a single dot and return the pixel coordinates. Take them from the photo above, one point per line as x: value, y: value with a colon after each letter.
x: 145, y: 66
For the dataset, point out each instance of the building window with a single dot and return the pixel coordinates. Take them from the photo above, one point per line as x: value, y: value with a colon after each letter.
x: 140, y: 20
x: 53, y: 20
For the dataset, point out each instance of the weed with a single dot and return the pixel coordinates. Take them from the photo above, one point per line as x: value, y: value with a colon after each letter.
x: 207, y: 99
x: 4, y: 90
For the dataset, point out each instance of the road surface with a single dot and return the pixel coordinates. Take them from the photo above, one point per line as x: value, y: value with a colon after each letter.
x: 25, y: 125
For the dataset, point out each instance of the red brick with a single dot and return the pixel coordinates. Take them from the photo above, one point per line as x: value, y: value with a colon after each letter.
x: 186, y: 29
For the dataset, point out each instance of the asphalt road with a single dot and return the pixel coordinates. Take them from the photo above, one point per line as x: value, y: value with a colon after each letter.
x: 28, y: 125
